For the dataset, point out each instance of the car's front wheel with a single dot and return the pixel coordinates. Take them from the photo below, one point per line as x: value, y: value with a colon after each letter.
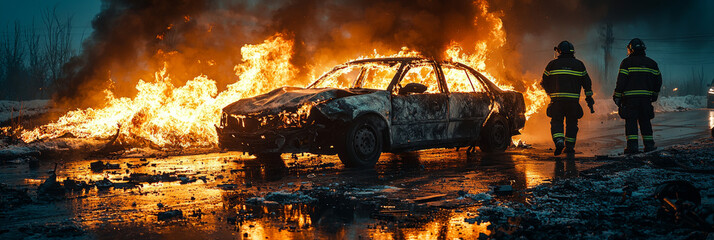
x: 361, y: 144
x: 496, y: 135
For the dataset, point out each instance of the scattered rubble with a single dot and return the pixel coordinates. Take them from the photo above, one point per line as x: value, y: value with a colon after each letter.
x: 481, y: 197
x: 681, y: 203
x: 104, y: 184
x: 167, y: 215
x: 50, y: 188
x: 99, y: 166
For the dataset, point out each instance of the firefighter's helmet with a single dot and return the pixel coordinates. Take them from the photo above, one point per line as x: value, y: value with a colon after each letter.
x: 636, y: 44
x: 564, y: 47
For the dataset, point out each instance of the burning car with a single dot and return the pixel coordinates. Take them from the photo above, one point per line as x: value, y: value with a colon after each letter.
x: 365, y: 107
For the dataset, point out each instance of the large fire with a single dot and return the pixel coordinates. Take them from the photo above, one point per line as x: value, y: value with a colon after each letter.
x: 163, y: 115
x: 166, y: 116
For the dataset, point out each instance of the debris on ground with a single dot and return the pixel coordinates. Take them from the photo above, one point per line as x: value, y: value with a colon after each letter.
x: 680, y: 203
x: 480, y: 197
x: 98, y: 166
x: 171, y: 214
x: 50, y: 187
x: 521, y: 144
x: 76, y: 185
x: 104, y: 184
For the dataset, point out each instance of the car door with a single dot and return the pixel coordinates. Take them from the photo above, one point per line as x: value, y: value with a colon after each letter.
x: 419, y: 118
x: 469, y: 103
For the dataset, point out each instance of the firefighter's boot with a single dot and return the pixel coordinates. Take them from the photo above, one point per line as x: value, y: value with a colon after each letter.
x: 632, y: 147
x: 570, y: 150
x: 649, y: 146
x: 559, y: 145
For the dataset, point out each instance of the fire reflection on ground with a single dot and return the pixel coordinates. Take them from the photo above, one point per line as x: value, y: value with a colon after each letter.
x: 214, y: 192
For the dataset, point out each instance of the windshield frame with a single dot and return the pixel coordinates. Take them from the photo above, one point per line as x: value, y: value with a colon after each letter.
x: 386, y: 61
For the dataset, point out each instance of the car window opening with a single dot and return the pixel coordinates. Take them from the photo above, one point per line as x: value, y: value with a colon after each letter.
x: 423, y: 74
x: 370, y: 75
x: 460, y: 80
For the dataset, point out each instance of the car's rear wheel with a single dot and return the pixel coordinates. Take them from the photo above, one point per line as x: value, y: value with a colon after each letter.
x: 361, y: 144
x: 496, y: 135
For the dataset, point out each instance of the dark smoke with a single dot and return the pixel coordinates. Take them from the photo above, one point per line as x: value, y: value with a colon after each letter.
x: 427, y: 26
x: 124, y: 34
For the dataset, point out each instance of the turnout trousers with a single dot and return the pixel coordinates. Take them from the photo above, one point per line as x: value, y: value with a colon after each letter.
x: 568, y: 111
x: 638, y: 112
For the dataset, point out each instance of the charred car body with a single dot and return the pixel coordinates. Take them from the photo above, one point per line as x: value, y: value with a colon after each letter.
x: 363, y: 108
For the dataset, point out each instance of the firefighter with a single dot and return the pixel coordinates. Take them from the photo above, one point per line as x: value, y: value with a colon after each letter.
x: 638, y: 84
x: 562, y: 80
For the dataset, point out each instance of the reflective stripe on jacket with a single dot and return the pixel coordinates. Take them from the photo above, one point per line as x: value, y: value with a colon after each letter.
x: 638, y: 77
x: 564, y: 78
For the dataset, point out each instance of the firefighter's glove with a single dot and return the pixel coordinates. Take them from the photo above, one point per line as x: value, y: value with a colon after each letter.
x: 655, y: 95
x: 590, y: 100
x: 617, y: 100
x: 591, y: 103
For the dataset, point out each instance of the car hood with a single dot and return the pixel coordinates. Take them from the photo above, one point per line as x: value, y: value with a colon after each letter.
x: 285, y: 99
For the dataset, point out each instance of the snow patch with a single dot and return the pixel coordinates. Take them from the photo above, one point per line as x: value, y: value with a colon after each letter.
x: 12, y: 109
x: 680, y: 103
x: 55, y: 146
x: 663, y: 104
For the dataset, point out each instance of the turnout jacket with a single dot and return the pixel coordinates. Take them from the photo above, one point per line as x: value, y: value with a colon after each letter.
x: 639, y: 77
x: 564, y: 77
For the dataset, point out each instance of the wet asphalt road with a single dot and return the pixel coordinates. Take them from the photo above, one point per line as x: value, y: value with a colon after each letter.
x: 212, y: 190
x: 606, y: 135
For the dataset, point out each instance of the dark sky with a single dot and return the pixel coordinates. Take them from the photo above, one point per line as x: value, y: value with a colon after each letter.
x: 681, y: 40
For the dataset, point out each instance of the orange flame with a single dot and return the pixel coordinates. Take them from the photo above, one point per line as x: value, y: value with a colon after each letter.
x: 166, y: 116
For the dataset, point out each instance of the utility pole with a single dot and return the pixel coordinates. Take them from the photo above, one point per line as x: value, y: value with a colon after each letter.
x: 608, y: 40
